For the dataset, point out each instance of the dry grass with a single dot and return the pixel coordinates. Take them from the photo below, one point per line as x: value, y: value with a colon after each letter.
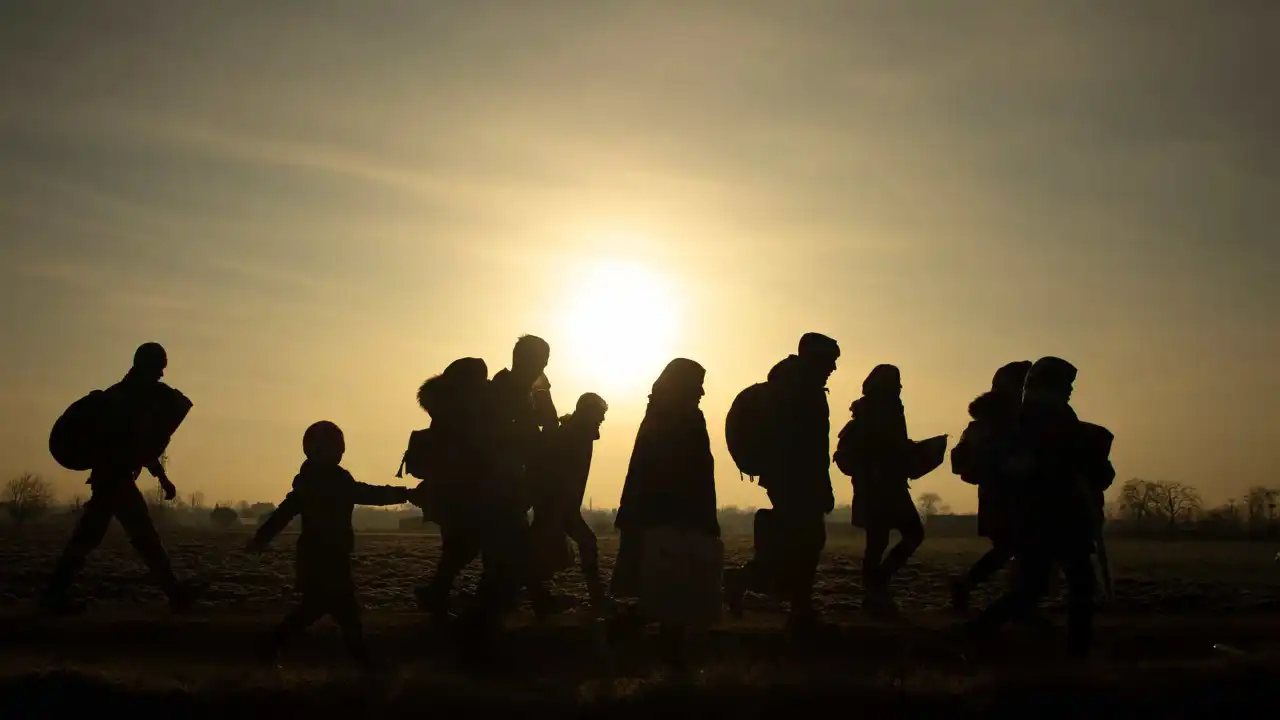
x: 1156, y: 643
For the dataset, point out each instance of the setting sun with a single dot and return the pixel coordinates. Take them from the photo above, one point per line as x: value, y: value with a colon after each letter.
x: 618, y: 325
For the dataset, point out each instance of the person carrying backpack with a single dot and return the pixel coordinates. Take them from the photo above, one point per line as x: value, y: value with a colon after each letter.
x: 450, y: 458
x: 129, y: 426
x: 875, y: 452
x: 793, y: 423
x: 1061, y: 469
x: 976, y: 459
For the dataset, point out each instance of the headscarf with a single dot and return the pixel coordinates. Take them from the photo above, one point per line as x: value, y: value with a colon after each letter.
x: 680, y: 384
x: 883, y: 380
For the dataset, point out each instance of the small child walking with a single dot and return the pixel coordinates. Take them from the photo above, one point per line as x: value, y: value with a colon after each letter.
x: 324, y: 494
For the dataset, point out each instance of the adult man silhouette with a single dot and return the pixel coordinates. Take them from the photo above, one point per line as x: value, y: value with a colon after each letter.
x: 142, y: 415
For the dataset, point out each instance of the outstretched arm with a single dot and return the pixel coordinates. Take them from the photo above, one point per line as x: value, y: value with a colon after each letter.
x: 365, y: 494
x: 276, y: 521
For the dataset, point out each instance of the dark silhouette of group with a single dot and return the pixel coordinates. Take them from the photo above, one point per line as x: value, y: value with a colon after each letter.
x: 496, y: 449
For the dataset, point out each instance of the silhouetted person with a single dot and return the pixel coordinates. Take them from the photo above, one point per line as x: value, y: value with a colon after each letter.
x: 671, y: 476
x: 457, y: 401
x: 1058, y: 482
x: 976, y: 459
x: 521, y: 407
x: 143, y: 415
x: 799, y: 485
x: 878, y: 449
x: 324, y: 494
x: 559, y: 482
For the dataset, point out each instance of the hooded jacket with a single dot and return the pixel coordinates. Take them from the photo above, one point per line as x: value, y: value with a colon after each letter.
x: 803, y: 419
x: 976, y: 458
x: 874, y: 444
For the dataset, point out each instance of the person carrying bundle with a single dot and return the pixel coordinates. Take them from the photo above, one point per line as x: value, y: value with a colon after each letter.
x: 115, y: 434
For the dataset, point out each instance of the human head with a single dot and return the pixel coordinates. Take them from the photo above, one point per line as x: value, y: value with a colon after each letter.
x: 150, y: 361
x: 1010, y: 379
x: 462, y: 379
x: 884, y: 381
x: 819, y: 354
x: 680, y: 382
x: 591, y: 409
x: 530, y: 356
x: 467, y: 372
x: 1050, y: 379
x: 323, y: 443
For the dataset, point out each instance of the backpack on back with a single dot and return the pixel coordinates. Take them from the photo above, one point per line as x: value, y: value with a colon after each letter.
x: 418, y: 457
x: 749, y: 430
x: 76, y: 441
x: 847, y: 456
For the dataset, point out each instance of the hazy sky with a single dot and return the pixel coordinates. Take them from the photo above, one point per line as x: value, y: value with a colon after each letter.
x: 315, y: 205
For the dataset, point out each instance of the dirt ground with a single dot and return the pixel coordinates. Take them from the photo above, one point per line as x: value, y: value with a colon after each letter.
x: 1151, y: 576
x: 1195, y: 628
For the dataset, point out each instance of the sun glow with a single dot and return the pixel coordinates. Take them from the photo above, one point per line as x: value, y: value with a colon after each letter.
x: 618, y: 326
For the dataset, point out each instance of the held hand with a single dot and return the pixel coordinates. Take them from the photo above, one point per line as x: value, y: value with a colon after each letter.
x: 170, y: 491
x: 418, y: 495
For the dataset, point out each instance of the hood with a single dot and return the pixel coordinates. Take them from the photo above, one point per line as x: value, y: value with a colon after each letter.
x: 787, y: 370
x: 991, y: 406
x: 872, y: 404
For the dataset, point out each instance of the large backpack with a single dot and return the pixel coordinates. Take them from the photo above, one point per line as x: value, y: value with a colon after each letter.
x: 76, y: 441
x: 847, y: 452
x: 102, y: 427
x: 749, y: 430
x: 418, y: 457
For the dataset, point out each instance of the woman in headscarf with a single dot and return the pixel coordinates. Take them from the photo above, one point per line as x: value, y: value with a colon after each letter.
x: 671, y: 479
x: 879, y: 452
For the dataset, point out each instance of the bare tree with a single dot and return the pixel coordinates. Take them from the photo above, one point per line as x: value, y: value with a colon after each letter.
x: 196, y: 500
x: 1178, y: 502
x: 27, y: 497
x: 1141, y: 500
x: 928, y: 504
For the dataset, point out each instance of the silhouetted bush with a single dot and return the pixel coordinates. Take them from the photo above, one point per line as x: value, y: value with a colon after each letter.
x: 224, y: 517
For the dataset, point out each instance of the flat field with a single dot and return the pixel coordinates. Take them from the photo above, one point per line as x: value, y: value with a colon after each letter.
x: 1195, y: 625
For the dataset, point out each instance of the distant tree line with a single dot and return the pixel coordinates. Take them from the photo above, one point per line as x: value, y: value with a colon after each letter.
x: 1137, y: 508
x: 1152, y: 508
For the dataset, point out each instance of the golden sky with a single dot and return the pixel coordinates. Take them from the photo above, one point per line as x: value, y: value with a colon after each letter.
x: 314, y: 206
